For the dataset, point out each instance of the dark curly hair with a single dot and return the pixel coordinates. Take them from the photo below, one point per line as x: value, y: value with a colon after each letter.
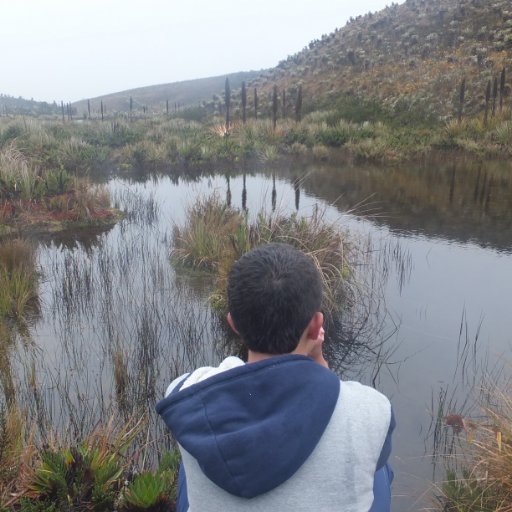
x: 273, y: 293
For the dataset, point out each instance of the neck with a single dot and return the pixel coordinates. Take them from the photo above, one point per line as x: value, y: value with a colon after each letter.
x: 254, y: 357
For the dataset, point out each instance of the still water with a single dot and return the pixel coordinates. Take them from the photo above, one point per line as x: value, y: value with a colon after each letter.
x: 117, y: 323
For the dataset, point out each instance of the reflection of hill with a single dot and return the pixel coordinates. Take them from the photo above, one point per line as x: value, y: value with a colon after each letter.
x: 457, y: 200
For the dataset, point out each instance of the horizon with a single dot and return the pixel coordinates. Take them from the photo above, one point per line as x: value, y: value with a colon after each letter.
x: 61, y: 51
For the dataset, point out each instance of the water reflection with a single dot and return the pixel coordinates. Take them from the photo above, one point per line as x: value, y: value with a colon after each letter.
x: 274, y: 192
x: 460, y: 200
x: 118, y: 323
x: 228, y: 191
x: 244, y: 192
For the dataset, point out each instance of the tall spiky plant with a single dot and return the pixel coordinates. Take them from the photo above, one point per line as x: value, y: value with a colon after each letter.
x: 503, y: 78
x: 298, y: 105
x: 274, y: 107
x: 227, y: 100
x: 255, y: 103
x: 244, y: 102
x: 487, y: 100
x: 494, y: 95
x: 462, y: 94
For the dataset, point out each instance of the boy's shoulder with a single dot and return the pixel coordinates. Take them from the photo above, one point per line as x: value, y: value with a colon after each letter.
x: 365, y: 404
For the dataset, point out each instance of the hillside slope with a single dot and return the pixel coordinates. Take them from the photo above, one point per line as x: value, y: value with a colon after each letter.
x: 185, y: 94
x: 409, y: 56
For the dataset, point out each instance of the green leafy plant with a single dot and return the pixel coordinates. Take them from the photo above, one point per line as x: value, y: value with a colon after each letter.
x: 153, y: 492
x: 56, y: 181
x: 85, y: 477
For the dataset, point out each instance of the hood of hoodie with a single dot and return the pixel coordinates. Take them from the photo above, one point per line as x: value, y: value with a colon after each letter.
x: 252, y: 427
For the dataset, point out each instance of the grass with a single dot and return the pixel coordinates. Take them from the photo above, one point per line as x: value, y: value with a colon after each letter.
x: 11, y: 446
x: 202, y: 243
x: 479, y: 476
x: 33, y: 151
x: 18, y: 279
x: 215, y: 235
x: 100, y: 472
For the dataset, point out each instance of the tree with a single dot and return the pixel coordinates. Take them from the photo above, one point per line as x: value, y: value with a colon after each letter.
x: 255, y: 103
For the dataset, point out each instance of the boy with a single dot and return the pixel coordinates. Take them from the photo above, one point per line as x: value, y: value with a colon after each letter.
x: 280, y: 433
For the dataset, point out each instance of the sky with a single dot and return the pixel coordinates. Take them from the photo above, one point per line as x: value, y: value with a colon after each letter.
x: 75, y: 49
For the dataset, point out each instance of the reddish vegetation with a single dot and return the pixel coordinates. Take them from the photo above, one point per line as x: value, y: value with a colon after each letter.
x: 62, y: 208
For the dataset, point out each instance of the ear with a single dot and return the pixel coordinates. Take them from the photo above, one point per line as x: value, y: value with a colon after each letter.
x: 315, y: 325
x: 231, y: 323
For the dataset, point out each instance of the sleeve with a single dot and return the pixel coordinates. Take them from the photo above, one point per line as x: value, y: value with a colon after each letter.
x: 382, y: 489
x: 386, y: 447
x: 384, y: 474
x: 182, y: 498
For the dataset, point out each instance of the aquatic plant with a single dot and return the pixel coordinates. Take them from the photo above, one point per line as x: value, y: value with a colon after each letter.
x: 201, y: 242
x: 215, y: 235
x: 18, y: 278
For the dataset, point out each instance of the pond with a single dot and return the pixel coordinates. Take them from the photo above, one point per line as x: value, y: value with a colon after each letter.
x: 117, y: 322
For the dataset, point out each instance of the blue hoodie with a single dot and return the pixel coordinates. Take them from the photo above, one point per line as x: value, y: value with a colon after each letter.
x: 252, y: 427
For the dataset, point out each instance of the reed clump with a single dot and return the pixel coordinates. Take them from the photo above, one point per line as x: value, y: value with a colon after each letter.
x: 479, y: 476
x: 215, y: 235
x: 18, y: 279
x: 202, y: 242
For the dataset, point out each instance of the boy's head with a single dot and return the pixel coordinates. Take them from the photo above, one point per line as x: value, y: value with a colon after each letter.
x: 273, y: 293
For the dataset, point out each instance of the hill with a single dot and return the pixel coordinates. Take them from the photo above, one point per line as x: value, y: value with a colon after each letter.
x: 9, y: 105
x: 188, y: 93
x: 409, y: 57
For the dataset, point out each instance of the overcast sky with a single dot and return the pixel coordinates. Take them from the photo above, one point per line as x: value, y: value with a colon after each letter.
x: 75, y: 49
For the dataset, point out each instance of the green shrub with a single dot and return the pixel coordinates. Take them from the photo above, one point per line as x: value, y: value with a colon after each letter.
x: 56, y: 182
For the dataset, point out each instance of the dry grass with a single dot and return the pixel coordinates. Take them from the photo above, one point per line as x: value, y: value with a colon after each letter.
x: 480, y: 476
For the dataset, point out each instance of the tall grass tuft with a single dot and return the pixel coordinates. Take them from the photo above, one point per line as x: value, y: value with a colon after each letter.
x: 216, y: 235
x: 18, y: 278
x: 203, y: 242
x: 11, y: 445
x: 479, y: 477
